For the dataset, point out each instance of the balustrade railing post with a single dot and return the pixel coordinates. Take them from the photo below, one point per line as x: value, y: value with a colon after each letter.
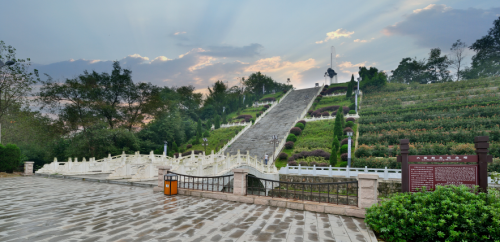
x: 300, y: 170
x: 386, y: 174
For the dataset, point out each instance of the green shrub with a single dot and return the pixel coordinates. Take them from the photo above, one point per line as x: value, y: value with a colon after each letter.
x: 300, y: 125
x: 10, y: 157
x: 380, y: 151
x: 363, y: 151
x: 352, y: 112
x: 349, y: 124
x: 343, y: 164
x: 372, y: 162
x: 291, y: 137
x: 450, y: 213
x: 343, y: 149
x: 352, y: 106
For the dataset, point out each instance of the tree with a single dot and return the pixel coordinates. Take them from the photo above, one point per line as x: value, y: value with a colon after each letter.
x: 408, y: 71
x: 198, y: 129
x: 217, y: 121
x: 486, y: 61
x: 333, y: 155
x: 457, y: 56
x: 16, y: 82
x: 372, y: 79
x: 437, y: 67
x: 337, y: 128
x: 10, y: 157
x: 92, y: 98
x: 336, y: 143
x: 174, y: 147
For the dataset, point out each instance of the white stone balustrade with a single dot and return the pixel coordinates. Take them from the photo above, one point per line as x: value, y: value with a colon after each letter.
x: 144, y: 167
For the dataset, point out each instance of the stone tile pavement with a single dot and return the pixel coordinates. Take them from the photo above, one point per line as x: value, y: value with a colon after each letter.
x: 48, y: 209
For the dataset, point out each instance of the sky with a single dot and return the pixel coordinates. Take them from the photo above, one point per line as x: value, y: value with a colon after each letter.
x: 177, y: 43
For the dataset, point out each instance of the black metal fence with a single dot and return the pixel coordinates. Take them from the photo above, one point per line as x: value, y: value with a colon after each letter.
x: 336, y: 192
x: 205, y: 183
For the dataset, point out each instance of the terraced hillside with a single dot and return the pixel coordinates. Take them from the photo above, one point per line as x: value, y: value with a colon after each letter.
x: 438, y: 119
x: 277, y: 122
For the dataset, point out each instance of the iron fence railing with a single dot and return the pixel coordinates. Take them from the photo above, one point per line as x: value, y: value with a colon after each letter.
x: 205, y: 183
x: 345, y: 193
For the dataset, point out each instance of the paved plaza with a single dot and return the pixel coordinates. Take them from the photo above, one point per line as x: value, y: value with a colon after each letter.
x: 49, y: 209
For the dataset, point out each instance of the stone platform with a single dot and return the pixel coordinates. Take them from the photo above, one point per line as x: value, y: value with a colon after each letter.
x: 50, y: 209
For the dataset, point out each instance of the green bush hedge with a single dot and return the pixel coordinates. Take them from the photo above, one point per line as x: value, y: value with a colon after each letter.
x: 10, y: 157
x: 352, y: 112
x: 291, y: 137
x: 300, y: 125
x: 450, y: 213
x: 343, y: 149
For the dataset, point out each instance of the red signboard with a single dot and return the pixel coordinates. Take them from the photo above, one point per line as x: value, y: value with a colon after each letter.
x: 442, y: 158
x: 432, y: 175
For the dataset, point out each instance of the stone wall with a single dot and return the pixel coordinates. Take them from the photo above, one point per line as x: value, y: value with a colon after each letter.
x: 385, y: 187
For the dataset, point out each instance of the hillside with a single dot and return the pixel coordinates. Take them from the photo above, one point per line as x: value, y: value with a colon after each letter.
x: 438, y: 119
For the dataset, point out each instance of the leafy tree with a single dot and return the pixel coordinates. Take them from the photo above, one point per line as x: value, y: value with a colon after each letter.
x: 457, y: 57
x: 372, y: 79
x: 437, y: 67
x: 198, y: 129
x: 168, y: 127
x: 217, y: 121
x: 10, y: 157
x: 16, y: 81
x: 486, y: 61
x: 409, y: 70
x: 93, y: 98
x: 174, y: 147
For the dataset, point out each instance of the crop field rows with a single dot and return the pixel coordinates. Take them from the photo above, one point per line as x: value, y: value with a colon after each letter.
x: 438, y: 119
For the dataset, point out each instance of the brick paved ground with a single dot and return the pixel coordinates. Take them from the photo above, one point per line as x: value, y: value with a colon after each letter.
x: 48, y: 209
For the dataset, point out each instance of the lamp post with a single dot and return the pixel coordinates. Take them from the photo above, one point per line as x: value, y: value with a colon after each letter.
x: 205, y: 143
x: 165, y: 147
x: 274, y: 142
x: 8, y: 63
x: 349, y: 134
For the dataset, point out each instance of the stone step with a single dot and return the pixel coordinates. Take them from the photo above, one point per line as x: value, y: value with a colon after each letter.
x: 277, y: 122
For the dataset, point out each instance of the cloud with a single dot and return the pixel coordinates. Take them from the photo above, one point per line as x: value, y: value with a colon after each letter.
x: 438, y: 25
x: 363, y: 40
x: 349, y: 68
x: 178, y: 33
x: 335, y: 35
x: 231, y: 51
x: 192, y: 68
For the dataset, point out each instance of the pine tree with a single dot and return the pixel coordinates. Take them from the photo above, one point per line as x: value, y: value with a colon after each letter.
x: 337, y: 129
x: 333, y: 155
x: 342, y: 120
x: 336, y: 144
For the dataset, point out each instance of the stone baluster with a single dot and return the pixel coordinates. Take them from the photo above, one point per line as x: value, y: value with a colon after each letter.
x: 238, y: 158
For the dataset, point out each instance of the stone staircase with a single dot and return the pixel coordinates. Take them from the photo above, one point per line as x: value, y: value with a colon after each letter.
x: 277, y: 122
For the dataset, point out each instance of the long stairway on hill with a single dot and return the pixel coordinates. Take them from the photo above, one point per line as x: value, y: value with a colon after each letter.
x: 277, y: 122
